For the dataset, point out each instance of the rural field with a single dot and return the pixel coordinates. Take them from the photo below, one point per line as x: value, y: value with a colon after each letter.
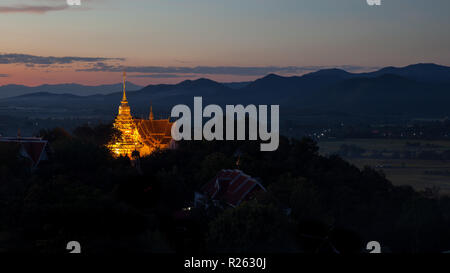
x: 418, y: 163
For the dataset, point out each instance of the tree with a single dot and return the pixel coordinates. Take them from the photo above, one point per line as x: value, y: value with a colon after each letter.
x: 248, y: 228
x: 211, y: 165
x: 55, y: 134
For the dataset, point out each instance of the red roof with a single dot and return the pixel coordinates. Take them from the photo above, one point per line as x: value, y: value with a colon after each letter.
x: 232, y: 187
x: 30, y: 147
x: 34, y: 150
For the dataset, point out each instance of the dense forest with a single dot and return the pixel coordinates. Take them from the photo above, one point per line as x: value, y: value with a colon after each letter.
x: 312, y: 203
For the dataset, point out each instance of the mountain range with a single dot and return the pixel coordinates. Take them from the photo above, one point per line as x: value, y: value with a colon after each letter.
x: 413, y: 91
x: 12, y: 90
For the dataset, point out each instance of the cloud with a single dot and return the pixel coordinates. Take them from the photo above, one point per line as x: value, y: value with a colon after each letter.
x: 31, y: 60
x: 216, y: 70
x: 102, y: 64
x: 161, y: 76
x: 31, y: 9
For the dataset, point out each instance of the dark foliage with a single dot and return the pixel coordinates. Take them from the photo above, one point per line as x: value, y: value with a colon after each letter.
x: 312, y: 203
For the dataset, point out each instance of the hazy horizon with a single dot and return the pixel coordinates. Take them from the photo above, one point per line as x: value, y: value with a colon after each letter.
x: 206, y: 77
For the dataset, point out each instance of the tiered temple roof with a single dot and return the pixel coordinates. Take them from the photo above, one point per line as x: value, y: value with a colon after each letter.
x: 232, y: 187
x: 154, y: 132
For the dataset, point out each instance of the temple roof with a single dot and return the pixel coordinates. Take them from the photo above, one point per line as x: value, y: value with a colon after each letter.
x: 155, y: 132
x: 232, y: 187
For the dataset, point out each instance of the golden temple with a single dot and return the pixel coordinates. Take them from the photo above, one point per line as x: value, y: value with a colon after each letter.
x: 141, y: 135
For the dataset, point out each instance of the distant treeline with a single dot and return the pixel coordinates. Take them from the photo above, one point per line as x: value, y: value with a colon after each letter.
x: 355, y: 151
x: 426, y: 130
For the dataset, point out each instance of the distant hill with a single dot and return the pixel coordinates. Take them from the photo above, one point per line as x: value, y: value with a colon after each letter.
x: 412, y: 91
x: 236, y: 85
x: 70, y: 88
x: 386, y: 94
x: 425, y: 72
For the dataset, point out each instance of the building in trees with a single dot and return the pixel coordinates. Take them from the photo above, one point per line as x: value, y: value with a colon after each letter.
x: 33, y: 149
x: 141, y: 135
x: 230, y: 187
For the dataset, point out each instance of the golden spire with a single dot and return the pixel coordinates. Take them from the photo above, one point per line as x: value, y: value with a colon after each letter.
x: 151, y: 112
x: 124, y: 98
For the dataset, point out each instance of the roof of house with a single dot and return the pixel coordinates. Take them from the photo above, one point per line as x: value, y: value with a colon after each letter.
x: 232, y: 186
x: 32, y: 148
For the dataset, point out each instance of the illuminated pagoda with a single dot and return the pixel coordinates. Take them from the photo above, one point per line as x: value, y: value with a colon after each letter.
x: 141, y: 135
